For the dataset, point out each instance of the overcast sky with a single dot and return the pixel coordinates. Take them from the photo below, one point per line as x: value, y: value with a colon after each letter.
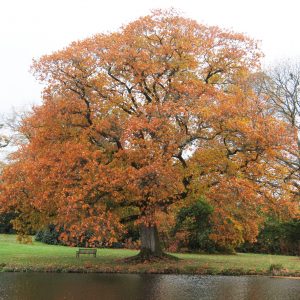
x: 31, y: 28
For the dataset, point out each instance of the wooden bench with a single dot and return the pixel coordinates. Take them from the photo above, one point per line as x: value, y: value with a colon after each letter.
x: 86, y: 251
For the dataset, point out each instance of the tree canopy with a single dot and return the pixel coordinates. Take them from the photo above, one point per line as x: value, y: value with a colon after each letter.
x: 140, y: 121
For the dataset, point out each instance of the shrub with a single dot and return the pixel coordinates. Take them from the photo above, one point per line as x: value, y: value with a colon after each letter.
x: 276, y: 238
x: 48, y: 236
x: 5, y: 222
x: 192, y: 228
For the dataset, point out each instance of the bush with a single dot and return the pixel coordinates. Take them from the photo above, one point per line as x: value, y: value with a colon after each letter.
x: 193, y: 227
x: 276, y: 238
x: 48, y: 236
x: 5, y: 222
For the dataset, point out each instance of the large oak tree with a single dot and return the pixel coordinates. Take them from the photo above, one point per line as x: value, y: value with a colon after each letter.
x: 147, y: 118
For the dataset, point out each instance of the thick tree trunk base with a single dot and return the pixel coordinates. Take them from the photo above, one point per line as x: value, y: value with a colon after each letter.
x: 150, y: 247
x: 148, y: 256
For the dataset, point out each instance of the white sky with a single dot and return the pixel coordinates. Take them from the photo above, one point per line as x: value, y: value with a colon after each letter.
x: 31, y: 28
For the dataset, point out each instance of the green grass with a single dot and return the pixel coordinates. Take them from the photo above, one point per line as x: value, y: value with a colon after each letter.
x: 41, y: 257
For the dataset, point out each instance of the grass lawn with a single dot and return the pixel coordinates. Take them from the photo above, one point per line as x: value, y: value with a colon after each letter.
x: 41, y: 257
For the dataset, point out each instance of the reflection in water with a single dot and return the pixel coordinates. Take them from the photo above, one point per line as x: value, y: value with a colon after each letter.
x: 36, y: 286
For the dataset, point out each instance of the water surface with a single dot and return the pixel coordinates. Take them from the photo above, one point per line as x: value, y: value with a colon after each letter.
x: 44, y: 286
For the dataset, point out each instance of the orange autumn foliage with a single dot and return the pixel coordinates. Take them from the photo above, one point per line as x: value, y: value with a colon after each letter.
x: 147, y: 118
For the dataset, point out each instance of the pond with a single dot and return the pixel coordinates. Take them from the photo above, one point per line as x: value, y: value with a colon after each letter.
x: 46, y: 286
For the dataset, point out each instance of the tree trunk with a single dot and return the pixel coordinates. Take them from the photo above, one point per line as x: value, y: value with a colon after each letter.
x: 150, y: 245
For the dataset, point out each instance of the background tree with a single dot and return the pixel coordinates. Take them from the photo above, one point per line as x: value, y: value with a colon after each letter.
x: 139, y: 121
x: 10, y: 136
x: 5, y: 218
x: 4, y: 140
x: 281, y: 84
